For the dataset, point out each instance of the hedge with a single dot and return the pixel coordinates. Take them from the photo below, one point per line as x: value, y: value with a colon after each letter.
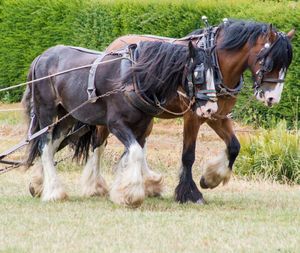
x: 28, y: 27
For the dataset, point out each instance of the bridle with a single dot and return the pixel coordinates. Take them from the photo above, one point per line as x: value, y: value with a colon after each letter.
x: 266, y: 65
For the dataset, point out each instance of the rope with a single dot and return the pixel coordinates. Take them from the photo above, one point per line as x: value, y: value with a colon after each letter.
x: 177, y: 113
x: 11, y: 110
x: 60, y: 73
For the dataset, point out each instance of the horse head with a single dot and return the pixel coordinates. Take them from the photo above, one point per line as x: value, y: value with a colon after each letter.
x: 271, y: 57
x: 200, y: 81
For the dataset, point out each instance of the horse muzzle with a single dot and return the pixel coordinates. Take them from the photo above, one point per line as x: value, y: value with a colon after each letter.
x: 207, y: 110
x: 269, y: 98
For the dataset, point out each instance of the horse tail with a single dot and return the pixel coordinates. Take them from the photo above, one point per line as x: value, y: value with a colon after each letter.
x: 32, y: 123
x: 83, y: 143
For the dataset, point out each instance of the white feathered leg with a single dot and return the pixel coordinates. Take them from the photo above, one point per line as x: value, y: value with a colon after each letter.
x: 52, y: 188
x: 93, y: 184
x: 216, y: 171
x: 128, y: 187
x: 153, y: 181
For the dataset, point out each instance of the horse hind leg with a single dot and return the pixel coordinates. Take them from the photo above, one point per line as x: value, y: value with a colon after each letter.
x: 153, y: 181
x: 93, y: 184
x: 36, y: 185
x: 52, y: 187
x: 36, y: 182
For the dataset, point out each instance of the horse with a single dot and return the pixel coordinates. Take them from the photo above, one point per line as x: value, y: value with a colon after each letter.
x: 239, y: 45
x: 155, y: 71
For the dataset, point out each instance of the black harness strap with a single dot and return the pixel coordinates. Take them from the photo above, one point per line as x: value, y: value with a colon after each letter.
x: 222, y: 89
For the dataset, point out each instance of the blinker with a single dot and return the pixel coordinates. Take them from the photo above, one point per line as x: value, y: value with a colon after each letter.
x: 199, y: 74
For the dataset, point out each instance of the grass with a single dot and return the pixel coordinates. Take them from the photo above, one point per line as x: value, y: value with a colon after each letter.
x: 272, y: 154
x: 243, y: 216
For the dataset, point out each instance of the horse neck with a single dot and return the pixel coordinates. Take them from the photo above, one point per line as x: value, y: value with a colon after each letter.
x: 233, y: 64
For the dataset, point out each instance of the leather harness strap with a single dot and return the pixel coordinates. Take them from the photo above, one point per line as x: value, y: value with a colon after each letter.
x: 222, y: 89
x: 91, y: 90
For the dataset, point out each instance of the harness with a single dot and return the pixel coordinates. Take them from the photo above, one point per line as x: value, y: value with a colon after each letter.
x: 133, y: 91
x: 209, y: 41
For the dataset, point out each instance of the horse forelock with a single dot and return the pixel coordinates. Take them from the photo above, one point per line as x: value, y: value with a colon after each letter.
x: 159, y: 67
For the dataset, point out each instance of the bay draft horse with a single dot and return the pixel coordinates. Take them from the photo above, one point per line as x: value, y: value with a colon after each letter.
x: 239, y: 45
x: 160, y: 69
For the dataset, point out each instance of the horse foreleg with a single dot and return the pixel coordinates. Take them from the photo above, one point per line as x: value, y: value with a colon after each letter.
x: 128, y: 187
x: 187, y: 190
x: 93, y: 184
x: 219, y: 169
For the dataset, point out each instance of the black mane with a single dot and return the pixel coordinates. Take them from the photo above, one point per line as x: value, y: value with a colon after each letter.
x: 238, y: 32
x: 159, y: 68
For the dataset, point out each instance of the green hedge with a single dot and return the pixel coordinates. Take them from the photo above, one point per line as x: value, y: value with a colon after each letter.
x: 28, y: 27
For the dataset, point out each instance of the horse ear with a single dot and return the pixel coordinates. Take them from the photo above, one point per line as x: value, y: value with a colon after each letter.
x: 192, y: 51
x: 291, y: 34
x: 270, y: 34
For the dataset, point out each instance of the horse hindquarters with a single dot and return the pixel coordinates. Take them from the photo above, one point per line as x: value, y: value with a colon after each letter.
x: 41, y: 101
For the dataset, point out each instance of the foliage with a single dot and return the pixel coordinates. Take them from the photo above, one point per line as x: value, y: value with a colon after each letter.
x: 272, y: 154
x: 28, y: 27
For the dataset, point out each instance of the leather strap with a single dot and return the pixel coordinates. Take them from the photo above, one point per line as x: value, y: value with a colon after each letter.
x: 91, y: 89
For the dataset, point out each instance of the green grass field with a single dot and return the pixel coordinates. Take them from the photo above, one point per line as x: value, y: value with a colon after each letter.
x: 243, y: 216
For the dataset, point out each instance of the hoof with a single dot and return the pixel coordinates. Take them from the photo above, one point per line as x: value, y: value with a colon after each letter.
x: 154, y: 186
x: 35, y: 189
x: 201, y: 201
x: 98, y: 188
x: 202, y: 183
x: 188, y: 192
x: 34, y: 192
x: 213, y: 180
x: 55, y: 195
x: 131, y: 195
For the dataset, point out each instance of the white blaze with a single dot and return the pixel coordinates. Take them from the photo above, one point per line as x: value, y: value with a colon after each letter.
x: 210, y: 107
x: 276, y: 92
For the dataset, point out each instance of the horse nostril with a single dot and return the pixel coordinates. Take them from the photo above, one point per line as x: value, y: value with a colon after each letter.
x: 208, y: 111
x: 270, y: 99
